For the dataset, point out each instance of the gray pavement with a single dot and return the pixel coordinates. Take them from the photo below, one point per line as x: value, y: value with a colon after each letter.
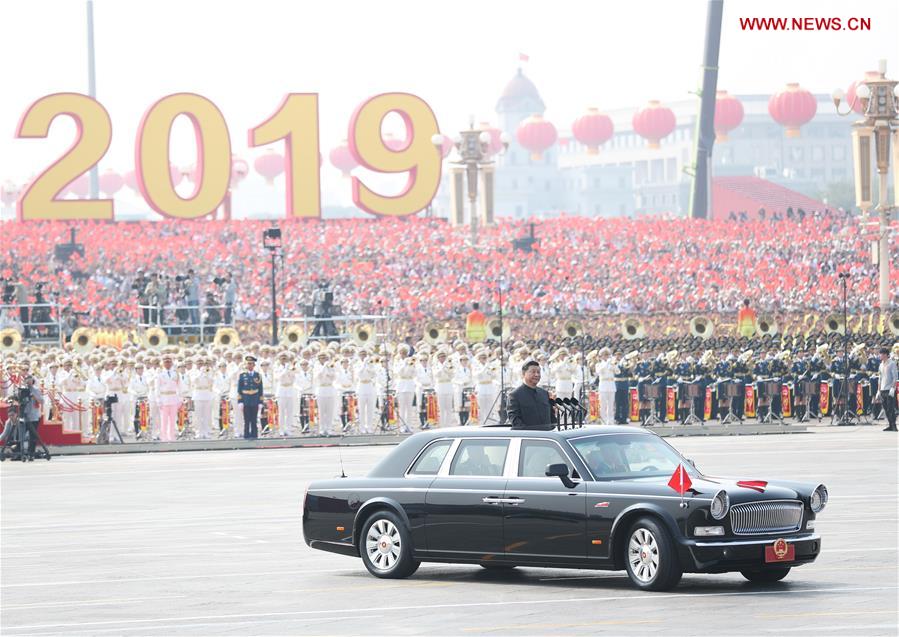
x: 210, y: 543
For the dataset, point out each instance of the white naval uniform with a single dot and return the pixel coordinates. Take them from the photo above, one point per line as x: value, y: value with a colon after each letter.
x: 288, y: 399
x: 326, y: 398
x: 203, y: 396
x: 461, y: 379
x: 366, y: 395
x: 605, y: 372
x: 487, y: 392
x: 563, y: 372
x: 443, y: 385
x: 75, y: 415
x: 168, y: 394
x: 117, y: 385
x: 405, y: 394
x: 139, y: 388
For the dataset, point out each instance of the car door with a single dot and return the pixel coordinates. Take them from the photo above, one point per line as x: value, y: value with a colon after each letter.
x: 544, y: 520
x: 463, y: 506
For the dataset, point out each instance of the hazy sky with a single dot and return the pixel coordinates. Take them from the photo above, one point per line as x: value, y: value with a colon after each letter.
x: 457, y: 55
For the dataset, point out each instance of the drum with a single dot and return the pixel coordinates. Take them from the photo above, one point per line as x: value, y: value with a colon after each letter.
x: 768, y: 388
x: 689, y: 390
x: 733, y: 389
x: 808, y: 388
x: 472, y: 404
x: 305, y: 407
x: 651, y: 391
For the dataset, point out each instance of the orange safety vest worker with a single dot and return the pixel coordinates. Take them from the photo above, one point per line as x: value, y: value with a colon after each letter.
x: 476, y: 327
x: 746, y: 322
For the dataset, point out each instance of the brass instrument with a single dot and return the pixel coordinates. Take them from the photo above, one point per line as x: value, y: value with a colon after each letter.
x: 435, y: 334
x: 767, y: 325
x: 226, y: 337
x: 156, y: 338
x: 10, y: 340
x: 363, y: 334
x: 293, y: 335
x: 494, y: 330
x: 707, y: 359
x: 893, y: 323
x: 833, y: 324
x: 702, y: 327
x: 82, y: 341
x: 572, y: 329
x: 632, y: 329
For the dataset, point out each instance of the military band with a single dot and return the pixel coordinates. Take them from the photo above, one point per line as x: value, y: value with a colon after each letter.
x: 339, y: 389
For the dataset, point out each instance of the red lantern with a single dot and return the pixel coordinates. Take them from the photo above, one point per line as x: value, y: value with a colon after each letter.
x: 593, y: 130
x: 536, y: 135
x: 131, y: 180
x: 9, y: 193
x: 496, y: 138
x: 239, y: 170
x: 856, y: 104
x: 342, y: 159
x: 792, y: 108
x: 654, y: 123
x: 728, y: 115
x: 111, y: 182
x: 80, y: 187
x: 269, y: 165
x: 446, y: 146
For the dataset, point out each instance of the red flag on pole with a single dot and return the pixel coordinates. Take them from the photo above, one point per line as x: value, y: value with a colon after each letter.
x: 680, y: 480
x: 523, y: 57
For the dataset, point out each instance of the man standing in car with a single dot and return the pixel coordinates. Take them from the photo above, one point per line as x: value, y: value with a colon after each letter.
x: 529, y: 406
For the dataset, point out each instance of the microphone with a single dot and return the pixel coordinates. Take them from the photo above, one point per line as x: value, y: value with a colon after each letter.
x: 575, y: 410
x: 582, y: 412
x: 563, y: 411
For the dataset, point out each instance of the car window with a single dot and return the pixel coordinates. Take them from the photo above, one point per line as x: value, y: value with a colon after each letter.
x: 480, y: 458
x: 627, y: 456
x: 428, y: 463
x: 536, y: 454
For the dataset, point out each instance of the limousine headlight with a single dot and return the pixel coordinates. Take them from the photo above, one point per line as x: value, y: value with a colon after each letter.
x: 819, y: 499
x: 720, y: 504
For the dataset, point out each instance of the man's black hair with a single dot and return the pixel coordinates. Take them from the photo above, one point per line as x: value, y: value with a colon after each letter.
x: 530, y: 363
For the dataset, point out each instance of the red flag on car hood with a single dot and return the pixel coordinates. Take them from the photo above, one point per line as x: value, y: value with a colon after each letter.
x: 680, y: 480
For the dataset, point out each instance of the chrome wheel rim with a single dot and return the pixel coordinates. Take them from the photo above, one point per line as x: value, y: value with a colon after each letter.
x: 643, y: 555
x: 383, y: 544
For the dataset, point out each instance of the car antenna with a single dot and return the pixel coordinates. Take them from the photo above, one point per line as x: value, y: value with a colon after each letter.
x: 340, y: 459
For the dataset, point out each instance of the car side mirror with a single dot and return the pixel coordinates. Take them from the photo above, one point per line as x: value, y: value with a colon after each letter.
x: 560, y: 471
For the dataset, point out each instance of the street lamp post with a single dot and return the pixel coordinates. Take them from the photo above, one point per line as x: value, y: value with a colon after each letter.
x: 473, y: 147
x: 878, y: 98
x: 271, y: 241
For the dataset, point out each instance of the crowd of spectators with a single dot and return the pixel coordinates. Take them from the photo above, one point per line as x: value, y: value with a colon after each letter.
x: 418, y: 269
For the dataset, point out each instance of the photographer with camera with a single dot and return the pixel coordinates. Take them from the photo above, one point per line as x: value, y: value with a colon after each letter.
x: 28, y: 402
x: 230, y: 298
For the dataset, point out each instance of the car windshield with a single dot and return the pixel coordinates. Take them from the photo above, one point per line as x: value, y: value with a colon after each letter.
x: 611, y: 457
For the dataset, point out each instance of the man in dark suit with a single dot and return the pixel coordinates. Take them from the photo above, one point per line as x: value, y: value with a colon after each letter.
x: 529, y: 406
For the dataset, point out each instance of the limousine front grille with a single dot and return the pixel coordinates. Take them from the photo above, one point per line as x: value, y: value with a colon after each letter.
x: 766, y: 517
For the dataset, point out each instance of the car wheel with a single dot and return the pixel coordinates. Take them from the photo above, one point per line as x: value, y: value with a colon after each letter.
x: 650, y: 556
x: 386, y: 546
x: 767, y: 575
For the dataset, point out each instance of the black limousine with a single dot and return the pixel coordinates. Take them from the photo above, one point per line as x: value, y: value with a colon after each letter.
x: 595, y: 497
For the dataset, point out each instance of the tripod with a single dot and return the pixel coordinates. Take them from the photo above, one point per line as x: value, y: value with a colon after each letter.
x: 847, y: 416
x: 108, y: 422
x: 770, y: 415
x: 656, y: 395
x: 692, y: 394
x: 731, y: 392
x: 19, y: 436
